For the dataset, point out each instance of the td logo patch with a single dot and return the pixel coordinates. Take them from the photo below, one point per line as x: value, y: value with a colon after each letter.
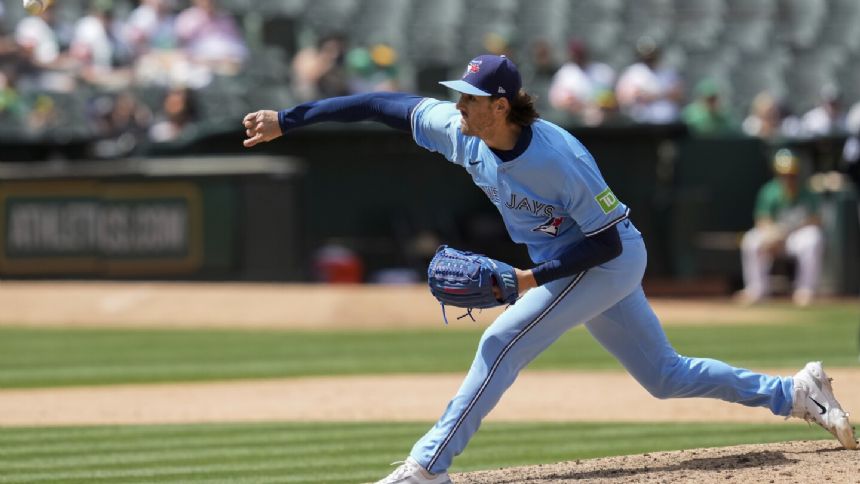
x: 607, y: 201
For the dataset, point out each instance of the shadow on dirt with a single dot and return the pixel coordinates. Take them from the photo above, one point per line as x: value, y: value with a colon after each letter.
x: 770, y: 459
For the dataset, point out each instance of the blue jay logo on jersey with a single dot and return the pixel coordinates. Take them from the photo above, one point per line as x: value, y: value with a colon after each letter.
x: 550, y: 227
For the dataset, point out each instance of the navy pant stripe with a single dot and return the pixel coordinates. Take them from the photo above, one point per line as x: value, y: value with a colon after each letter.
x: 498, y: 361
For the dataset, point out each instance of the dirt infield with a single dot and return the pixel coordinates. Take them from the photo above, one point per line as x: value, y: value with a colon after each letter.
x: 785, y: 462
x: 535, y: 396
x: 285, y: 306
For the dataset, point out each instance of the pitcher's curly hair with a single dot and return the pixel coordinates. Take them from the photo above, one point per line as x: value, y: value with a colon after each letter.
x: 523, y: 110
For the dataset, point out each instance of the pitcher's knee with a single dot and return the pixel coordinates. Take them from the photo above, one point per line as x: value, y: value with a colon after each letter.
x: 661, y: 390
x: 493, y: 342
x: 752, y: 240
x: 664, y: 385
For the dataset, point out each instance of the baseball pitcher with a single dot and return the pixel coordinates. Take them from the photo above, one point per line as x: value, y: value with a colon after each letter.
x: 589, y: 260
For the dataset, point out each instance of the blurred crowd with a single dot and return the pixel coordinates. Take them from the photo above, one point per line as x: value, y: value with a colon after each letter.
x: 142, y: 77
x: 649, y: 91
x: 90, y: 65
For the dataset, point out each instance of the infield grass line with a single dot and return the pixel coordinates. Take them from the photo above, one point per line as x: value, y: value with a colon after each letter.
x: 333, y: 452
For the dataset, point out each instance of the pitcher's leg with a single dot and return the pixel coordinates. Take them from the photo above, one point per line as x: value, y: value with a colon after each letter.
x: 631, y: 332
x: 516, y: 337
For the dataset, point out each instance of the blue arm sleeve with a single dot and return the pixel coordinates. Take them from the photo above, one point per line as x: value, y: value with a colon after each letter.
x: 589, y: 252
x: 390, y: 108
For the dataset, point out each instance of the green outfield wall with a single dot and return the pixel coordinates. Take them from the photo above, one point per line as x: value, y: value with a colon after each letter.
x: 374, y: 192
x: 202, y: 217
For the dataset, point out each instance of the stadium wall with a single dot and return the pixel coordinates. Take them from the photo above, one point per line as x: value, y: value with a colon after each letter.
x: 376, y: 193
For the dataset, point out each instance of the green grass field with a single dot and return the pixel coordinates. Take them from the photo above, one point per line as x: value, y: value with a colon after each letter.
x: 330, y: 452
x: 351, y: 452
x: 37, y: 357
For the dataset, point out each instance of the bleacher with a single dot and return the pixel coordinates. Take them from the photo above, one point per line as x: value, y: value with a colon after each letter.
x: 792, y: 47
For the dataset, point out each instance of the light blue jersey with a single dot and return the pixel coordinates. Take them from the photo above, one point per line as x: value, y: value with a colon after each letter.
x: 550, y: 197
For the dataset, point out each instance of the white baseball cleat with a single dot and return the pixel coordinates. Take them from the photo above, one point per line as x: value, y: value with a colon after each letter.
x: 814, y: 402
x: 411, y: 472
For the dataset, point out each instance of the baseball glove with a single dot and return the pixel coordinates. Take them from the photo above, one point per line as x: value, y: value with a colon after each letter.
x: 466, y: 280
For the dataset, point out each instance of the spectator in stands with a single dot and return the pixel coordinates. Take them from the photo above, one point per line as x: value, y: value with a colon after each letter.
x: 97, y: 46
x: 36, y: 37
x: 538, y: 72
x: 320, y: 70
x: 373, y: 69
x: 151, y: 26
x: 706, y: 115
x: 542, y: 64
x: 43, y: 115
x: 209, y: 36
x: 647, y: 91
x: 121, y: 124
x: 177, y: 117
x: 852, y: 119
x: 786, y: 224
x: 828, y: 118
x: 151, y: 35
x: 579, y: 82
x: 764, y: 119
x: 12, y: 108
x: 498, y: 44
x: 851, y: 151
x: 44, y: 66
x: 607, y: 111
x: 91, y: 42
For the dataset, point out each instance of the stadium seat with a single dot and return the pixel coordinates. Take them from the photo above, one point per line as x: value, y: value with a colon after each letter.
x: 800, y: 21
x: 811, y: 70
x: 848, y: 78
x: 698, y: 23
x: 427, y: 79
x: 288, y: 8
x: 268, y: 65
x: 749, y: 24
x: 840, y: 27
x: 225, y: 99
x: 435, y: 33
x: 651, y: 18
x: 281, y: 31
x: 151, y: 96
x: 486, y: 18
x: 715, y: 63
x: 544, y: 20
x: 270, y: 97
x: 381, y: 21
x: 754, y: 73
x: 599, y: 24
x: 324, y: 17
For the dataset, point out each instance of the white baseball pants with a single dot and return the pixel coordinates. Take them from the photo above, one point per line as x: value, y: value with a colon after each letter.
x: 805, y: 244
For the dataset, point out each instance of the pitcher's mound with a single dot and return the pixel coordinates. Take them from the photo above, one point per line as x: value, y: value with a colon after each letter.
x: 785, y: 462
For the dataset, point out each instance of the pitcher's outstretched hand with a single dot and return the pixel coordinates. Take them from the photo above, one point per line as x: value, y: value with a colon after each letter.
x: 260, y: 127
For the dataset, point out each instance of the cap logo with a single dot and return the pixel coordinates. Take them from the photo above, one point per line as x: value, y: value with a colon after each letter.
x: 472, y: 68
x: 502, y: 90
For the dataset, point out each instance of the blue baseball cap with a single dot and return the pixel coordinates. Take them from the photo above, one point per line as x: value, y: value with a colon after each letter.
x: 488, y: 75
